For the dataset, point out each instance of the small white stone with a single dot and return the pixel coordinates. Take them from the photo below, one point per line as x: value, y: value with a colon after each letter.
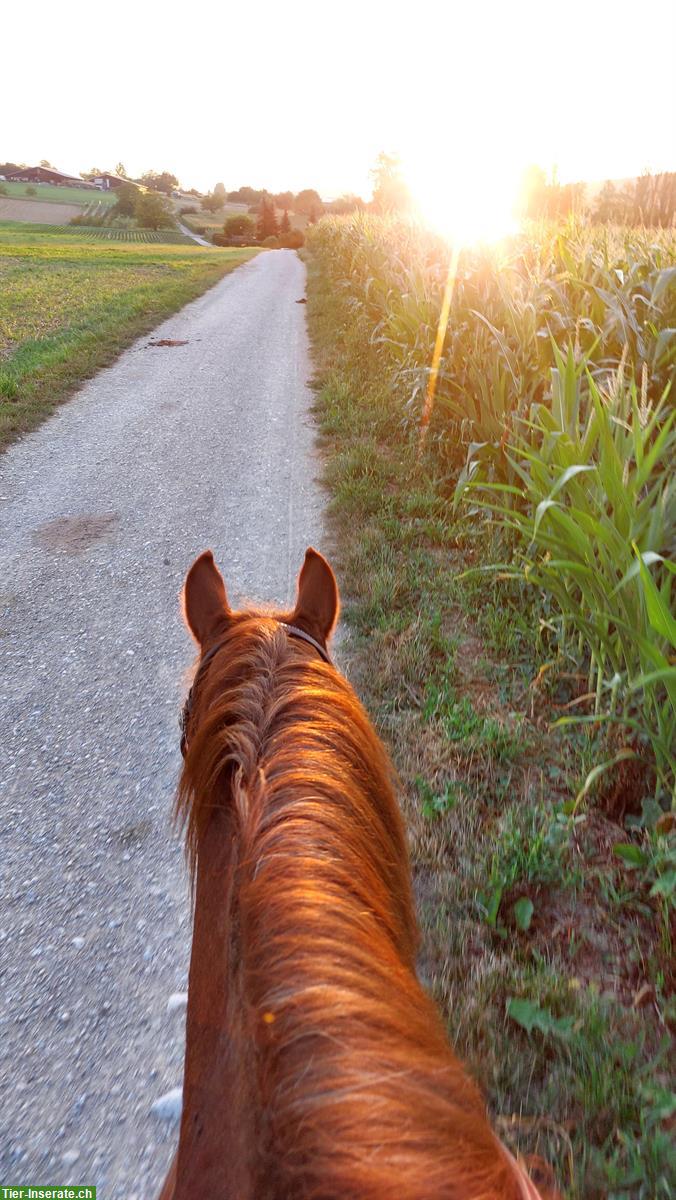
x: 78, y: 942
x: 168, y: 1107
x: 176, y: 1001
x: 70, y: 1157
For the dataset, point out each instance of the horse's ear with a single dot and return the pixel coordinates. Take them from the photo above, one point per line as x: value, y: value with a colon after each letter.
x: 317, y: 603
x: 205, y: 602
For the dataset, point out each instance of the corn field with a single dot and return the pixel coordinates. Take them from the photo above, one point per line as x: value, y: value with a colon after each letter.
x: 553, y: 419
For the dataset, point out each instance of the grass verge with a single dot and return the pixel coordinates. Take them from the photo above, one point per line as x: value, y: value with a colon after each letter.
x: 70, y: 305
x: 549, y: 954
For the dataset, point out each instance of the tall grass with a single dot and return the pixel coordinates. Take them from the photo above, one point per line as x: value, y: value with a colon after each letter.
x: 554, y: 419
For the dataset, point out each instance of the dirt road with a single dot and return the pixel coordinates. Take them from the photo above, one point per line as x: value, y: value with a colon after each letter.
x: 206, y: 442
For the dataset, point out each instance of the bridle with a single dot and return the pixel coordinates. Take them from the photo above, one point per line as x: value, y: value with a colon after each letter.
x: 186, y: 712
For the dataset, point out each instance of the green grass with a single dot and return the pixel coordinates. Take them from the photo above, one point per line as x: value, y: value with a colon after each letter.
x: 210, y: 221
x: 69, y: 304
x: 90, y: 233
x: 55, y: 195
x: 537, y: 939
x: 214, y: 222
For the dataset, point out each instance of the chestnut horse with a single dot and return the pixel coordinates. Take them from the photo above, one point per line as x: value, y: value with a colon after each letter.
x: 317, y: 1067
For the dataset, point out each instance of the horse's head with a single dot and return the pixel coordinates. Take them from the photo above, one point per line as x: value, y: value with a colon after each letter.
x: 240, y: 650
x: 208, y: 613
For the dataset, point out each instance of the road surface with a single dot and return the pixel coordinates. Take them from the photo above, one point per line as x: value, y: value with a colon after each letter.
x: 172, y: 449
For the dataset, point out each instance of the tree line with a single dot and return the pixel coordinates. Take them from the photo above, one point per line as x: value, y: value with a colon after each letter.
x: 649, y: 199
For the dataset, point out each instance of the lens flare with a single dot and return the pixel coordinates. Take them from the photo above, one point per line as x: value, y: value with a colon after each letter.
x: 475, y: 206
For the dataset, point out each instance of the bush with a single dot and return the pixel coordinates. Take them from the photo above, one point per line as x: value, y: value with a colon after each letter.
x: 293, y: 240
x: 188, y: 208
x: 240, y: 225
x: 31, y: 191
x: 224, y: 239
x: 271, y: 242
x: 3, y: 190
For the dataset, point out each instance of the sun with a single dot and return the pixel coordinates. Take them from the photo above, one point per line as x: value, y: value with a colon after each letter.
x: 469, y: 206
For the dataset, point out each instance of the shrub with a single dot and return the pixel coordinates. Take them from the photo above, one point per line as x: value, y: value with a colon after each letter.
x: 31, y: 191
x: 271, y: 242
x: 293, y: 240
x: 188, y: 208
x: 240, y: 225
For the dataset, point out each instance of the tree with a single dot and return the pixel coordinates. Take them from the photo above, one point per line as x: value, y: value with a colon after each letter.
x: 163, y: 181
x: 267, y: 219
x: 309, y: 203
x: 533, y: 191
x: 390, y: 191
x: 283, y: 199
x: 285, y: 224
x: 211, y: 202
x: 153, y: 211
x: 120, y: 170
x: 241, y: 225
x: 125, y: 200
x: 219, y: 190
x: 607, y: 203
x: 245, y: 195
x: 44, y: 162
x: 346, y: 204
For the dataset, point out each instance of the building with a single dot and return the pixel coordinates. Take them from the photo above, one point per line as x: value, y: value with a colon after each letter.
x: 107, y: 181
x: 45, y: 175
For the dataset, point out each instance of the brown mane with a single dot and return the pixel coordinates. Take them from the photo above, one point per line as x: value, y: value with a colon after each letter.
x: 337, y: 1061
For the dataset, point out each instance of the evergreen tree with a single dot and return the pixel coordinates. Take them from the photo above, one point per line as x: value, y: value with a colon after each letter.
x: 285, y: 225
x: 268, y: 225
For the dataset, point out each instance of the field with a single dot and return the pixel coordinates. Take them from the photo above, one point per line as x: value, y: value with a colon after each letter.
x: 212, y: 222
x: 70, y: 303
x: 50, y: 193
x: 208, y: 220
x: 37, y: 211
x: 505, y: 553
x: 84, y: 233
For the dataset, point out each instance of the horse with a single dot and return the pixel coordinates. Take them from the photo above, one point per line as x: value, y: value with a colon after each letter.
x: 316, y: 1066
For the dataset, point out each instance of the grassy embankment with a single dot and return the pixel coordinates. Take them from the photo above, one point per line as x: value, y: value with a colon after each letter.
x: 55, y: 195
x: 550, y: 954
x: 69, y: 305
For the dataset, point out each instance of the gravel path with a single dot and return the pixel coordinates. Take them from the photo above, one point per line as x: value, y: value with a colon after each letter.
x: 195, y: 237
x: 169, y: 451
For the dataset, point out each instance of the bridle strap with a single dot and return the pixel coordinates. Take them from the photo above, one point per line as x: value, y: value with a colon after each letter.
x: 293, y: 631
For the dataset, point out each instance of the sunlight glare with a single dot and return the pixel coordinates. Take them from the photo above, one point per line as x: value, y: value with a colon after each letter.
x: 465, y: 208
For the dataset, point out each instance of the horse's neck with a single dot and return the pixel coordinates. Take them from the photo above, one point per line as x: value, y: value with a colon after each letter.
x: 216, y: 1124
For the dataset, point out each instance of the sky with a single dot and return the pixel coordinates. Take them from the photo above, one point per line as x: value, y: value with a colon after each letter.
x: 294, y: 95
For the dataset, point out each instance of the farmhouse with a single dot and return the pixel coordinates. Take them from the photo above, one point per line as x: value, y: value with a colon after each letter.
x: 45, y: 175
x: 107, y: 181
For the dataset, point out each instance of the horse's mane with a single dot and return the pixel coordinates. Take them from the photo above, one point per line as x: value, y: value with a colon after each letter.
x: 356, y: 1088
